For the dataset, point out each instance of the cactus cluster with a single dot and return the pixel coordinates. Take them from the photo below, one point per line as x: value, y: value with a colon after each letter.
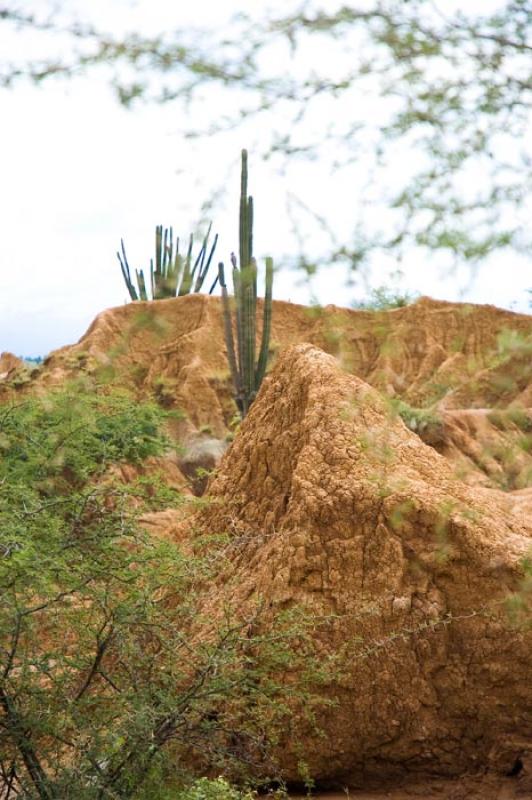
x: 173, y: 274
x: 247, y: 372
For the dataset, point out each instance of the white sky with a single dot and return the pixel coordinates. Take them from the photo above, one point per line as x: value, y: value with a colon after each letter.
x: 78, y: 173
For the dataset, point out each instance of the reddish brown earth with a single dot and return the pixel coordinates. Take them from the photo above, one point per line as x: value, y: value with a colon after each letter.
x: 458, y: 361
x: 341, y: 508
x: 411, y: 535
x: 9, y: 364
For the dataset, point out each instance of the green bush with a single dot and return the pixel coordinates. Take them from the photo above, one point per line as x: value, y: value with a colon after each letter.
x: 104, y: 687
x: 213, y: 789
x: 426, y: 422
x: 70, y: 436
x: 383, y: 299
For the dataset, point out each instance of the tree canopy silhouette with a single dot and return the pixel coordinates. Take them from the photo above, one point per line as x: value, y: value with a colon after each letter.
x: 435, y: 105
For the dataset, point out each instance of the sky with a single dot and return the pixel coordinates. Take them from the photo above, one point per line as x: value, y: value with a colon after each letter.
x: 79, y: 173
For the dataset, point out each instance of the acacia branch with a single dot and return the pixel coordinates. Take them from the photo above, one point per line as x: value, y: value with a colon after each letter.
x: 21, y: 740
x: 101, y: 648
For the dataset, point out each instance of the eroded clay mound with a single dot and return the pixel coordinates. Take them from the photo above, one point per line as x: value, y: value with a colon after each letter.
x: 458, y: 361
x: 430, y: 351
x: 335, y: 504
x: 487, y: 447
x: 9, y: 364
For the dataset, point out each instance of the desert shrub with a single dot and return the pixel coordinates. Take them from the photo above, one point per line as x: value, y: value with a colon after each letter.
x: 213, y: 789
x: 426, y: 422
x: 109, y: 671
x: 383, y: 299
x: 70, y: 436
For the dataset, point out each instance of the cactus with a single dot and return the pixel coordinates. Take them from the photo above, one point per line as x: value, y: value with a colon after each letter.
x: 173, y: 274
x: 245, y: 373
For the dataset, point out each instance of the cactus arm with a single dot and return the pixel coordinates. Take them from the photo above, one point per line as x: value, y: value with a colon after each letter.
x: 204, y: 267
x: 126, y: 273
x: 208, y: 264
x: 249, y: 235
x: 198, y: 264
x: 142, y: 284
x: 237, y: 284
x: 158, y: 259
x: 243, y: 228
x: 165, y: 264
x: 177, y: 269
x: 266, y: 326
x: 158, y: 248
x: 248, y: 330
x: 213, y: 287
x: 170, y: 276
x: 229, y: 339
x: 187, y: 277
x: 152, y: 281
x: 168, y: 250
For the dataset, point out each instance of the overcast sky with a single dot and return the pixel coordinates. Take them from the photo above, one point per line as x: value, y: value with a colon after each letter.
x: 79, y: 172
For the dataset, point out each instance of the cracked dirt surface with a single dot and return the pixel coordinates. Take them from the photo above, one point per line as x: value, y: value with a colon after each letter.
x: 340, y: 507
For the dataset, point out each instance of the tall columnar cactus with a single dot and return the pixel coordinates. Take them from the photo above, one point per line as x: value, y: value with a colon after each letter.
x: 173, y: 274
x: 245, y: 373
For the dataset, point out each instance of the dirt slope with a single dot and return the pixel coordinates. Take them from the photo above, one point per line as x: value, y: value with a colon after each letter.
x: 340, y: 507
x: 458, y: 362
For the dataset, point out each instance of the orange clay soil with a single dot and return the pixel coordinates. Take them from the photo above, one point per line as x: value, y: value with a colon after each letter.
x: 469, y: 367
x: 336, y: 506
x: 410, y: 537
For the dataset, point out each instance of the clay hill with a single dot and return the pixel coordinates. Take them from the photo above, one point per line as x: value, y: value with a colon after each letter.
x: 460, y: 375
x: 382, y: 479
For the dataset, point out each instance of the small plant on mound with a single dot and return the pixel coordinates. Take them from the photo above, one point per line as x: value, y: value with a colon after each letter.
x: 426, y: 422
x: 384, y: 299
x: 173, y: 274
x: 247, y: 372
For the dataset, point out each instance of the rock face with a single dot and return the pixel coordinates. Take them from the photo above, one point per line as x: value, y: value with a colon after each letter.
x: 341, y: 508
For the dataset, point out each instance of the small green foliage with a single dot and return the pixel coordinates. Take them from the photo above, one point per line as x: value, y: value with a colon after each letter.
x: 426, y: 422
x: 512, y: 343
x: 76, y: 436
x: 384, y: 299
x: 113, y: 680
x: 77, y: 360
x: 213, y: 789
x: 147, y: 319
x: 139, y: 373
